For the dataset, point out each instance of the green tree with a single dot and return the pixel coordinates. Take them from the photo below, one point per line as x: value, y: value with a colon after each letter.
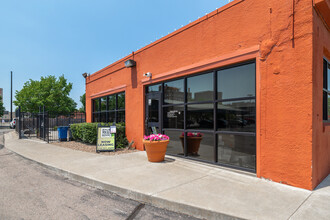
x: 50, y: 92
x: 83, y: 102
x: 2, y: 108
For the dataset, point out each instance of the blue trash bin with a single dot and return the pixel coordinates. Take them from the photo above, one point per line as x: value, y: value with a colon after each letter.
x: 63, y: 133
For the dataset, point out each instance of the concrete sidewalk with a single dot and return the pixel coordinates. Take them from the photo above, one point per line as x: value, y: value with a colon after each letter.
x: 180, y: 185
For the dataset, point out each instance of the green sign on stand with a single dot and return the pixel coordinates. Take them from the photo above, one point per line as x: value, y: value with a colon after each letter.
x: 106, y: 138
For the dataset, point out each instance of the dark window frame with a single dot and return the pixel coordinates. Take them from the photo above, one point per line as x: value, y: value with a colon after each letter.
x: 215, y: 101
x: 107, y: 111
x: 325, y: 91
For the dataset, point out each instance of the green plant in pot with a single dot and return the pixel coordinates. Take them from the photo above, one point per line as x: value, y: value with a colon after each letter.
x: 193, y: 142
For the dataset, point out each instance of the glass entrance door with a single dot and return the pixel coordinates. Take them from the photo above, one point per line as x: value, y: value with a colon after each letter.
x: 153, y: 113
x: 219, y: 104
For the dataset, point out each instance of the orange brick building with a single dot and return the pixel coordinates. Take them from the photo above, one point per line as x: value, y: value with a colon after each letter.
x: 252, y: 77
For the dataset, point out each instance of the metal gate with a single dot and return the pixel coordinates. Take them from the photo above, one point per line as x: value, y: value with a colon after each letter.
x: 43, y: 125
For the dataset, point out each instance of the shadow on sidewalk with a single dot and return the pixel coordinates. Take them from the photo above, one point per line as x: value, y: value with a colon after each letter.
x: 168, y: 160
x: 324, y: 184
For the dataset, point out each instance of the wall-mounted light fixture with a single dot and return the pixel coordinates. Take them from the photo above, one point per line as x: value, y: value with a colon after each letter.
x: 84, y: 75
x: 130, y: 63
x: 148, y: 74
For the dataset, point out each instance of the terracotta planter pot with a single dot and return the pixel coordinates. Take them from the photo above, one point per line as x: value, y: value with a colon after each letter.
x: 156, y: 150
x: 193, y: 144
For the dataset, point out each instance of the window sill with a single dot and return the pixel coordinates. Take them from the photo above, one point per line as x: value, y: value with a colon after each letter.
x: 326, y: 126
x: 326, y: 123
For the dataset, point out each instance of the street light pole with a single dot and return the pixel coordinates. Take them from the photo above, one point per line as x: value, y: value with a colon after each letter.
x: 11, y: 96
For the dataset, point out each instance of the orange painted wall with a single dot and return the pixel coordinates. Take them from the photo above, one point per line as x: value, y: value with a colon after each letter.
x: 286, y: 95
x: 321, y: 130
x: 282, y: 32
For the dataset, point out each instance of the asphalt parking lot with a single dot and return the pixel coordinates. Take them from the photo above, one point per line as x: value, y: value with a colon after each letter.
x: 30, y: 191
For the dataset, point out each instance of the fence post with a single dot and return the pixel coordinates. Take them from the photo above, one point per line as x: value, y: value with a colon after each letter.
x: 48, y: 127
x: 19, y: 123
x: 43, y: 120
x: 39, y: 122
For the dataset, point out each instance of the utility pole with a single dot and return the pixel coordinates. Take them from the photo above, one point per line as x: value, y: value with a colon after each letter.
x: 11, y: 96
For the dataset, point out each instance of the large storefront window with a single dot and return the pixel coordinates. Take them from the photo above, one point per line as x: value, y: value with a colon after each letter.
x: 326, y: 90
x: 220, y: 104
x: 109, y: 108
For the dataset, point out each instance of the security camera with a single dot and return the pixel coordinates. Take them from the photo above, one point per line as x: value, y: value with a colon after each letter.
x: 84, y: 75
x: 148, y: 74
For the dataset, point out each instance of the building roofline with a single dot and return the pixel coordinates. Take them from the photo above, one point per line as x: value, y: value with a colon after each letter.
x: 180, y: 30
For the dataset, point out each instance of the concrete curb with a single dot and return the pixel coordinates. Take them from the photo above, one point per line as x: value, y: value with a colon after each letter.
x: 143, y: 198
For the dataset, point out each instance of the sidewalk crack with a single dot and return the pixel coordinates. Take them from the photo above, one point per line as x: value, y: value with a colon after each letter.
x: 5, y: 154
x: 300, y: 205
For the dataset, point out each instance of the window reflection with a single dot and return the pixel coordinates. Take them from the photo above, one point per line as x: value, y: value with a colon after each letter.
x: 104, y: 104
x: 236, y: 82
x: 237, y: 150
x: 121, y: 116
x: 103, y: 117
x: 105, y: 108
x: 173, y: 117
x: 200, y: 116
x: 328, y: 107
x: 112, y: 102
x: 154, y: 88
x: 200, y: 88
x: 326, y: 90
x: 96, y: 103
x: 236, y: 116
x: 153, y: 109
x: 175, y: 144
x: 174, y: 92
x: 111, y: 116
x: 121, y: 101
x: 203, y: 147
x: 328, y: 76
x: 95, y: 117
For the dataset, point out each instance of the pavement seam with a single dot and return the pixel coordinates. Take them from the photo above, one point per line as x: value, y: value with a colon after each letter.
x: 153, y: 194
x: 135, y: 211
x: 300, y: 205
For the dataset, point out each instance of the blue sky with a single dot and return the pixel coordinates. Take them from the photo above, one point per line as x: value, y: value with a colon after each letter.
x: 70, y: 37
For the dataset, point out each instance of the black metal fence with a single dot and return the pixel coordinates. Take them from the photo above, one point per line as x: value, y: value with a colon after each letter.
x: 44, y: 125
x: 2, y: 140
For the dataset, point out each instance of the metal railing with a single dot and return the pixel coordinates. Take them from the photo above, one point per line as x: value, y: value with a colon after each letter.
x: 43, y: 125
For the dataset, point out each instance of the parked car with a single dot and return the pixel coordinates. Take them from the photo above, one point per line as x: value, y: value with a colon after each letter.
x: 13, y: 123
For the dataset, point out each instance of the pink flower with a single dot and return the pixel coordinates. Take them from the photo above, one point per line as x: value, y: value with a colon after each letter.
x: 193, y: 134
x: 156, y: 137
